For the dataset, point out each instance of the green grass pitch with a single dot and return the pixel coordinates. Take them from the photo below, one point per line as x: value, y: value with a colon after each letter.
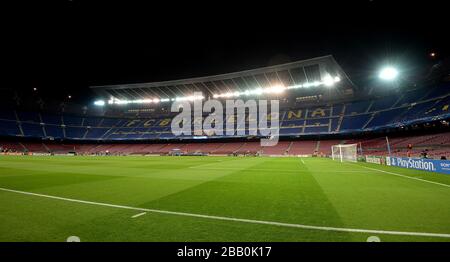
x: 218, y: 199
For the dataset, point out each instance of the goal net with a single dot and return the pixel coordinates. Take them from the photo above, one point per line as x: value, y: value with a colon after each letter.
x: 344, y: 152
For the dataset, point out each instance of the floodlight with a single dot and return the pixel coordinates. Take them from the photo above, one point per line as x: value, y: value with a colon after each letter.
x: 275, y: 89
x: 328, y: 81
x: 388, y: 73
x: 99, y: 103
x: 295, y: 86
x: 258, y: 91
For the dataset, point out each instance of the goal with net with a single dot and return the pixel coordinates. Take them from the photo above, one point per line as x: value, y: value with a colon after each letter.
x: 344, y: 152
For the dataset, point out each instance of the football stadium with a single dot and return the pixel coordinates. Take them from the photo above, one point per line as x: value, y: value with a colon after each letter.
x: 341, y: 162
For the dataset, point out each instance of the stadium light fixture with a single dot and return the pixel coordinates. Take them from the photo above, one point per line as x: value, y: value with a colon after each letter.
x: 276, y: 89
x: 326, y: 81
x: 388, y: 73
x: 257, y: 91
x: 189, y: 98
x: 116, y: 101
x: 307, y: 85
x: 99, y: 103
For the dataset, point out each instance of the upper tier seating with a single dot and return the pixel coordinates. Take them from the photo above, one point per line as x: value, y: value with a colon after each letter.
x: 421, y: 105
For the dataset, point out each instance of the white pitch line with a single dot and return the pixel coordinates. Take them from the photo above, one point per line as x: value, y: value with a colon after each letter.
x: 414, y: 178
x: 302, y: 161
x: 250, y: 221
x: 138, y: 215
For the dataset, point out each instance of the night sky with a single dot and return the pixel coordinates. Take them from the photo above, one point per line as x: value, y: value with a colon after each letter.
x: 63, y: 48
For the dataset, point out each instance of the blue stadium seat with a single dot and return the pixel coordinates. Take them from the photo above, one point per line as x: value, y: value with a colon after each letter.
x: 75, y: 132
x: 92, y: 121
x: 292, y: 123
x: 166, y: 135
x: 418, y: 110
x: 96, y: 133
x: 337, y: 109
x: 150, y: 136
x: 440, y: 108
x: 383, y: 103
x: 385, y: 117
x: 354, y: 122
x: 356, y: 107
x: 316, y: 129
x: 32, y: 130
x: 320, y: 121
x: 316, y: 112
x: 72, y: 120
x: 52, y: 119
x: 411, y: 97
x: 110, y: 122
x: 54, y: 131
x: 290, y: 131
x: 334, y: 124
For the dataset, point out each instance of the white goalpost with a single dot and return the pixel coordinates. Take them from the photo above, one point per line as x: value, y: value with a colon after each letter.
x: 344, y: 152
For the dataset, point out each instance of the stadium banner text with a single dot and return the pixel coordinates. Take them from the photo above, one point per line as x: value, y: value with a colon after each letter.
x: 374, y: 160
x: 440, y: 166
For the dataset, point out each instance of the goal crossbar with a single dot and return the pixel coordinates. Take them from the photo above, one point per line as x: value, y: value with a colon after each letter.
x: 344, y: 152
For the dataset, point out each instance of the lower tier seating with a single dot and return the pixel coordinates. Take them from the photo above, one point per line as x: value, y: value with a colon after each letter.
x: 437, y: 145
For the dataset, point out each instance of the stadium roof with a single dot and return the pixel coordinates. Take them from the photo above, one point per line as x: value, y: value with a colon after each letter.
x: 295, y: 73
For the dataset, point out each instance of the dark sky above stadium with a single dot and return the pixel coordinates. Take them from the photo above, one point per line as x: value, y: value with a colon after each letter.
x: 63, y: 48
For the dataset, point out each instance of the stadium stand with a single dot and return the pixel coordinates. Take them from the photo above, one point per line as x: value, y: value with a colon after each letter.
x: 436, y: 144
x: 359, y: 116
x: 303, y: 148
x: 282, y: 148
x: 305, y: 127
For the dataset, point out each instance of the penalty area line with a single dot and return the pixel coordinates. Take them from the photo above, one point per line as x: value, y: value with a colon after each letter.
x: 242, y: 220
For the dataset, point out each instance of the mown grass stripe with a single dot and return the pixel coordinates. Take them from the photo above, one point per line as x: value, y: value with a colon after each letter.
x: 272, y: 223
